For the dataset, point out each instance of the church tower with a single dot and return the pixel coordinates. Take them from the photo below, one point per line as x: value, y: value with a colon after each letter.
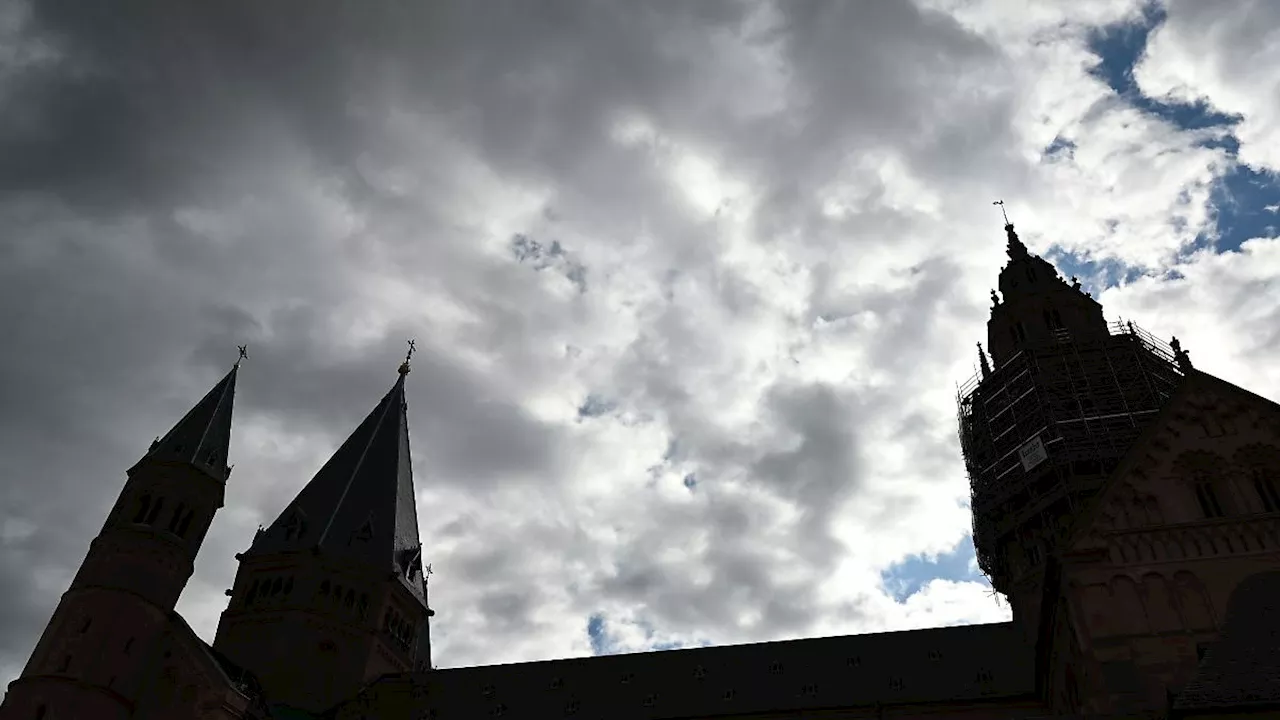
x: 333, y: 593
x: 1062, y: 398
x: 92, y: 660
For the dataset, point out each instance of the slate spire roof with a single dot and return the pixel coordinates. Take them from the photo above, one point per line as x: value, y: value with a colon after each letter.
x: 360, y: 505
x: 202, y: 437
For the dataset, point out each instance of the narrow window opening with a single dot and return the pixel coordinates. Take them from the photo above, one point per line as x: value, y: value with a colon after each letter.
x: 350, y: 600
x: 276, y: 585
x: 1208, y: 500
x: 176, y: 517
x: 40, y: 711
x: 1266, y: 489
x: 185, y: 524
x: 1057, y: 320
x: 144, y: 505
x: 295, y: 528
x: 128, y: 644
x: 155, y: 511
x: 65, y: 665
x: 253, y: 592
x: 288, y: 585
x: 324, y: 588
x: 1031, y: 274
x: 84, y: 627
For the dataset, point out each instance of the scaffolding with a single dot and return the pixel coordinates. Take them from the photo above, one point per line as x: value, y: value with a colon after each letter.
x: 1041, y: 433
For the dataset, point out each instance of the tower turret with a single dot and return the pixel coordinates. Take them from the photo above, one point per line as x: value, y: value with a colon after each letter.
x: 1038, y: 305
x: 333, y: 594
x: 90, y: 661
x: 1042, y: 428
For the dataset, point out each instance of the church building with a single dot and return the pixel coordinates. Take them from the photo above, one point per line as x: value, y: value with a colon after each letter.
x: 1126, y: 504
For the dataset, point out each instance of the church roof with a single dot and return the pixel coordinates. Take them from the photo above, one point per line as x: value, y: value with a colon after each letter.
x: 202, y: 437
x: 973, y: 663
x: 361, y: 503
x: 1240, y: 670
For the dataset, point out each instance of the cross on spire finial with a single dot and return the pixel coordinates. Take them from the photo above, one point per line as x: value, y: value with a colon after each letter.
x: 244, y: 353
x: 1002, y: 211
x: 404, y: 366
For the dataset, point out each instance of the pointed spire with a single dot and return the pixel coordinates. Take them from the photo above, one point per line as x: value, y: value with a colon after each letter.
x: 1015, y: 248
x: 361, y: 504
x: 202, y: 438
x: 982, y: 360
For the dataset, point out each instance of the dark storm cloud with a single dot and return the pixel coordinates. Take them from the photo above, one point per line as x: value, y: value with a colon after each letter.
x: 181, y: 177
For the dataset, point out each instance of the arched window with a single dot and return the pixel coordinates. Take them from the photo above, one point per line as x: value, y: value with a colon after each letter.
x: 144, y: 506
x: 324, y: 588
x: 295, y: 527
x: 84, y: 627
x: 288, y: 585
x: 1203, y: 474
x: 276, y: 585
x: 1265, y: 485
x: 176, y: 517
x: 350, y: 600
x: 1207, y: 495
x: 155, y: 511
x: 40, y: 711
x: 185, y: 523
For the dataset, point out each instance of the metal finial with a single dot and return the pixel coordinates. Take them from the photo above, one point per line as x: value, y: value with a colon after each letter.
x: 404, y: 366
x: 244, y: 353
x: 1002, y: 212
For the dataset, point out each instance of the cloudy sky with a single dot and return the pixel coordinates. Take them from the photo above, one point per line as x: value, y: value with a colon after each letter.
x: 692, y: 283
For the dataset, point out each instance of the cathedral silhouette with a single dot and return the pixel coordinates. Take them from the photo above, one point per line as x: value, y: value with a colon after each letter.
x: 1126, y: 504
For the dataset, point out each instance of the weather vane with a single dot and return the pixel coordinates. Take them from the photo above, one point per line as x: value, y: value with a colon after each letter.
x: 1002, y: 212
x: 244, y: 353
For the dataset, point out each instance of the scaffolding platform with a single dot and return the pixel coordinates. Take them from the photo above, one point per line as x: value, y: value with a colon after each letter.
x: 1042, y: 432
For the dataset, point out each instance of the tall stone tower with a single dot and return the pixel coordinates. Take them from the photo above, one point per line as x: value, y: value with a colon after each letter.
x: 332, y: 594
x: 94, y: 657
x: 1063, y: 397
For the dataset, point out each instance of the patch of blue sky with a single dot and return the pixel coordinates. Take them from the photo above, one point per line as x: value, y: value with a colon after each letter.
x: 603, y: 644
x: 908, y: 577
x: 1246, y: 202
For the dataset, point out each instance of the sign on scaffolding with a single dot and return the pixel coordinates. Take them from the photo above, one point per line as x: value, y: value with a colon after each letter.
x: 1032, y: 453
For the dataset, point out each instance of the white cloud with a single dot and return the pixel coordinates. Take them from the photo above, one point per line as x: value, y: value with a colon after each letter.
x: 785, y: 246
x: 1222, y: 54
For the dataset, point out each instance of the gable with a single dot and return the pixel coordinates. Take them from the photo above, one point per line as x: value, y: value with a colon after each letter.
x: 1209, y: 428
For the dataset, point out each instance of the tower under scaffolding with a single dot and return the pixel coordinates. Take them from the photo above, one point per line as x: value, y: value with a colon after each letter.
x: 1042, y: 432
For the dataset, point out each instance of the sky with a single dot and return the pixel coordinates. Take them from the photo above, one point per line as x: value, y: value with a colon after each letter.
x: 692, y: 284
